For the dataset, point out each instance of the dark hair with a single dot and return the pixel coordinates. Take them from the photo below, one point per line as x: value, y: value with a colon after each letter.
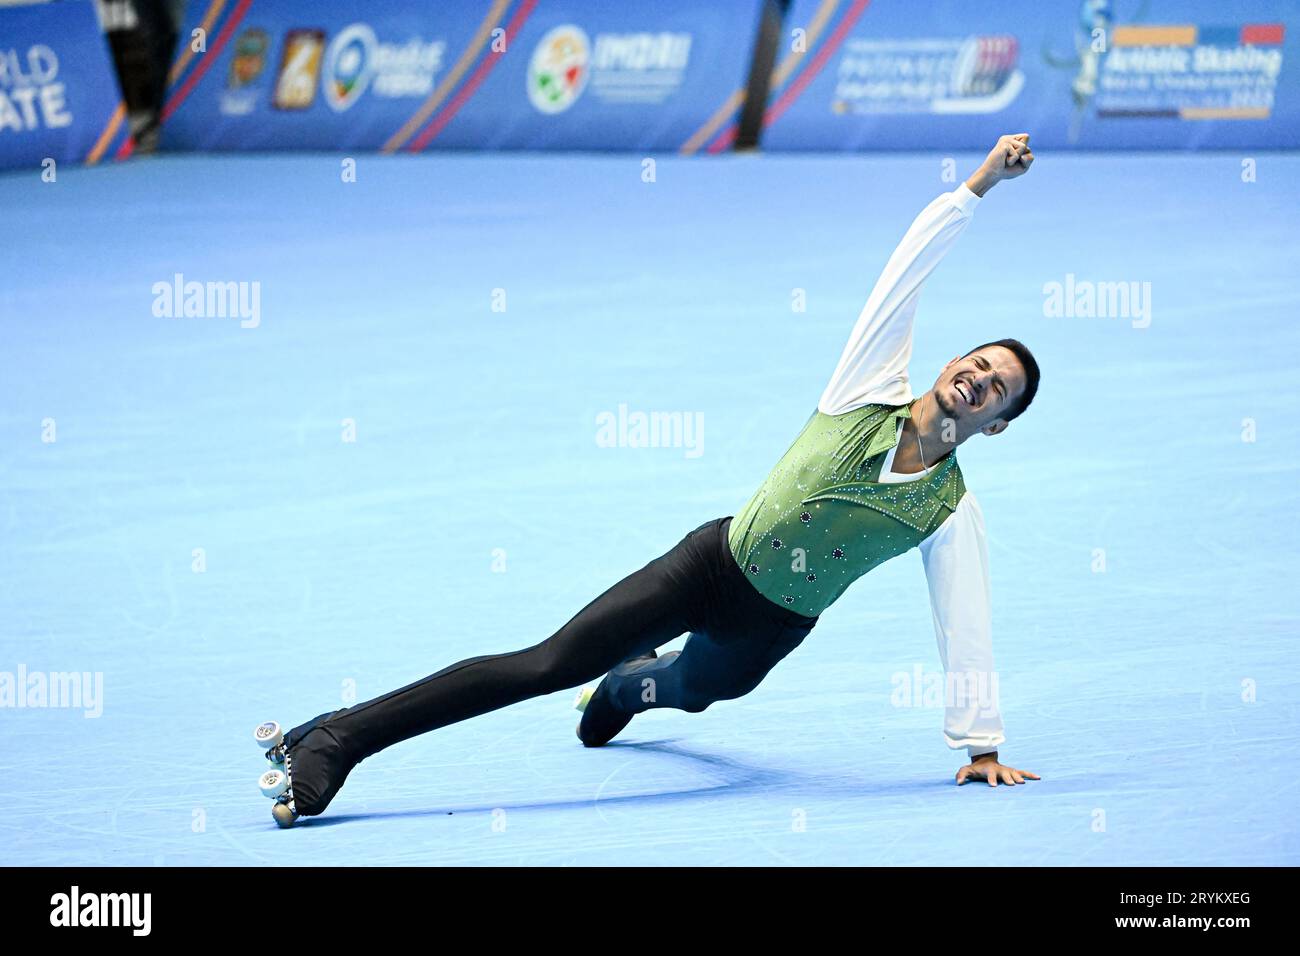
x: 1028, y: 363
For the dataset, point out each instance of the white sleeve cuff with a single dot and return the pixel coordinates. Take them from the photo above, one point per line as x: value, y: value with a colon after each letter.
x: 964, y: 200
x: 973, y: 752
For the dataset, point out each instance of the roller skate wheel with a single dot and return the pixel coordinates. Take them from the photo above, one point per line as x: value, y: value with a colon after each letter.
x: 268, y: 735
x: 284, y: 817
x: 583, y: 698
x: 273, y: 783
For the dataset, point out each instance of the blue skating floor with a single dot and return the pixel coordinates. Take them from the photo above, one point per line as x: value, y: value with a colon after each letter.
x: 182, y: 514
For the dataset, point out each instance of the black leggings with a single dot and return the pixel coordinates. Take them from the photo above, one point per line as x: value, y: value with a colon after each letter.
x: 737, y: 636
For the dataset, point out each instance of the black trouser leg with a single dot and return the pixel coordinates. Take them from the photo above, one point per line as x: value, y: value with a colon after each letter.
x: 646, y: 609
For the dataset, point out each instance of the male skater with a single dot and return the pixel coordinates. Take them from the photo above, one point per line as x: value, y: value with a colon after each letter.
x: 872, y: 475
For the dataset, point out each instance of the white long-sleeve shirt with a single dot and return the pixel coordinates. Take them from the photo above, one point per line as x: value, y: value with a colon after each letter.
x: 873, y: 369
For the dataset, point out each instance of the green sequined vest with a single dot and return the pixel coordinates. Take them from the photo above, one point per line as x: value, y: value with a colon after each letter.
x: 821, y: 520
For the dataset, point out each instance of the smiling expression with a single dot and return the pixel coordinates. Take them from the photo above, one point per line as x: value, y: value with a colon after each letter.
x: 977, y: 389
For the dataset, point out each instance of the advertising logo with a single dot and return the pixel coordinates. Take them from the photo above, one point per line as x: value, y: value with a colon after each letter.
x: 295, y: 87
x: 1182, y: 71
x: 246, y: 68
x: 348, y: 66
x: 976, y: 74
x: 620, y: 68
x: 1191, y: 72
x: 357, y: 61
x: 557, y: 73
x: 249, y: 59
x: 984, y: 76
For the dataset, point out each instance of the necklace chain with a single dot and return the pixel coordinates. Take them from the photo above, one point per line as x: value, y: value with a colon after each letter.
x: 916, y: 424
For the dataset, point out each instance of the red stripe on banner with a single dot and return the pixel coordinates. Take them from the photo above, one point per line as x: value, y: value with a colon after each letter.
x: 809, y: 73
x: 1263, y: 34
x: 448, y: 112
x: 177, y: 98
x: 727, y: 137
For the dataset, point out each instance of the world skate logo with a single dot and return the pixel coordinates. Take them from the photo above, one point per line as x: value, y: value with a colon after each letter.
x: 557, y: 73
x: 75, y: 908
x: 31, y: 94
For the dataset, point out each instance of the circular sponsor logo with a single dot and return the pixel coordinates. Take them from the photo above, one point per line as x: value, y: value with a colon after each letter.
x: 557, y: 73
x: 348, y: 64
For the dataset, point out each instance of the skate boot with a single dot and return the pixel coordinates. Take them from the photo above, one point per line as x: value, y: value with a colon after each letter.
x: 308, y: 767
x: 602, y: 719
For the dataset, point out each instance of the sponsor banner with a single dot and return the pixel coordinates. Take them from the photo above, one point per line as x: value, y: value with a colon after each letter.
x: 59, y: 98
x: 492, y: 74
x: 949, y: 74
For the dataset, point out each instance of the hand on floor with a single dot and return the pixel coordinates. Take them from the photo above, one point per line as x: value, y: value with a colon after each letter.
x: 986, y: 767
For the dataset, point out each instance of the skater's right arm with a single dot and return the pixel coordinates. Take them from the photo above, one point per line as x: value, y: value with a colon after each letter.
x: 956, y: 564
x: 957, y: 569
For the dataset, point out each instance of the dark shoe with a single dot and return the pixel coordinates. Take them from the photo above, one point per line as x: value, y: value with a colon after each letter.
x: 317, y: 765
x: 602, y: 719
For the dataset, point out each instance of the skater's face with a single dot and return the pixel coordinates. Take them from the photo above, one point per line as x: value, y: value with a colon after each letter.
x: 977, y: 389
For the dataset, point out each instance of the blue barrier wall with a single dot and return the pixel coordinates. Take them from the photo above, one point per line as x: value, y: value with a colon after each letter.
x: 665, y: 75
x: 59, y: 97
x: 508, y: 74
x: 1137, y: 74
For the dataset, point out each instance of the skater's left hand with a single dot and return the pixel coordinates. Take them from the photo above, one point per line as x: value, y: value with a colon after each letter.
x: 986, y: 767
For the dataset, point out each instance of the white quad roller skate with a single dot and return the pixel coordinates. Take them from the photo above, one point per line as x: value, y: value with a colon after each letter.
x: 277, y: 781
